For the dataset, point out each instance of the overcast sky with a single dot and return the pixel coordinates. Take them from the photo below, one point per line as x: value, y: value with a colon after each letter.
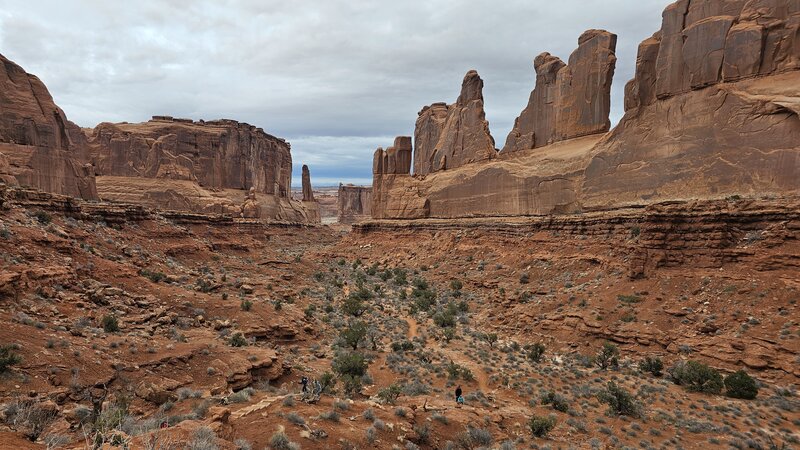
x: 337, y: 78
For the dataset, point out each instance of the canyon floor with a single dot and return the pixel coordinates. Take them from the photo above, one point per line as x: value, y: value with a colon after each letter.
x: 166, y: 332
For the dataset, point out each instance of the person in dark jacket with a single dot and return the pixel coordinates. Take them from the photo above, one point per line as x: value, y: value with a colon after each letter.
x: 458, y: 392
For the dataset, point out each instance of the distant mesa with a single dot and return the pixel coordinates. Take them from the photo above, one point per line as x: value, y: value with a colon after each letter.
x: 353, y: 203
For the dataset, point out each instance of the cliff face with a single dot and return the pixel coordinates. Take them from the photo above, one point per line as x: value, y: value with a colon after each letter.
x: 447, y: 137
x: 568, y: 101
x: 713, y: 109
x: 221, y: 167
x: 712, y: 112
x: 353, y: 204
x: 220, y: 154
x: 42, y: 148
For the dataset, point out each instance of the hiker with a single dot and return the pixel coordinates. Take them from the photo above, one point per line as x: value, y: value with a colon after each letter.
x: 458, y: 394
x: 304, y: 382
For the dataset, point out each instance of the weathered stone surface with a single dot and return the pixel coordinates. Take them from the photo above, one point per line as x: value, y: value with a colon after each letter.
x: 447, y: 137
x: 220, y: 154
x: 251, y: 209
x: 308, y: 193
x: 43, y: 149
x: 571, y: 100
x: 686, y: 134
x: 203, y: 166
x: 5, y: 171
x: 354, y: 203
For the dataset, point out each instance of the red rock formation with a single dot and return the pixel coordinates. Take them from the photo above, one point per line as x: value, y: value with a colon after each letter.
x: 308, y: 192
x: 220, y: 154
x: 43, y: 148
x: 568, y: 101
x: 447, y: 137
x: 712, y: 112
x: 203, y: 167
x: 354, y: 203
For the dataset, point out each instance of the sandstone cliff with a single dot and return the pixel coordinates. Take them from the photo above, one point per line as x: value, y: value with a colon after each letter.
x: 712, y: 112
x: 308, y: 192
x: 568, y: 101
x: 447, y: 137
x: 354, y: 203
x: 42, y: 148
x: 203, y: 166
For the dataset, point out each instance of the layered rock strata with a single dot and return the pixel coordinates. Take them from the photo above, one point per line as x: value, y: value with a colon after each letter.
x: 712, y: 112
x: 568, y: 101
x: 217, y: 167
x: 446, y: 137
x: 40, y: 147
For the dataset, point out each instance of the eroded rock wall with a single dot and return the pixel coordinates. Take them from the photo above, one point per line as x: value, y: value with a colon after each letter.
x: 42, y: 148
x: 446, y: 137
x: 712, y: 112
x: 571, y: 100
x: 219, y: 154
x: 353, y: 203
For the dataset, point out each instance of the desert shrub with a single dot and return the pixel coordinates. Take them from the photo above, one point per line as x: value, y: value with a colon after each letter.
x: 620, y: 401
x: 333, y: 416
x: 607, y: 357
x: 155, y: 277
x: 630, y: 299
x: 422, y: 295
x: 557, y: 401
x: 741, y: 385
x: 423, y: 432
x: 203, y: 438
x: 28, y: 417
x: 110, y: 324
x: 400, y: 277
x: 328, y: 382
x: 540, y: 425
x: 491, y: 338
x: 295, y: 418
x: 444, y: 319
x: 696, y: 377
x: 525, y: 278
x: 402, y: 346
x: 351, y: 367
x: 354, y: 333
x: 237, y: 340
x: 536, y: 352
x: 8, y: 358
x: 280, y: 441
x: 390, y: 393
x: 449, y: 334
x: 242, y: 396
x: 652, y: 365
x: 354, y: 303
x: 246, y: 305
x: 242, y: 444
x: 43, y: 217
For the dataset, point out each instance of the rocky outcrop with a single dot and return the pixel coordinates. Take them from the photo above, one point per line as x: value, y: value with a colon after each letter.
x: 42, y: 148
x: 251, y: 209
x: 447, y: 137
x: 208, y: 167
x: 354, y: 203
x: 219, y: 154
x: 712, y: 112
x: 568, y: 101
x: 308, y: 192
x: 390, y: 168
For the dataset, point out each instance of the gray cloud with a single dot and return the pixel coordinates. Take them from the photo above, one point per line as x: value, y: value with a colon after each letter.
x: 336, y: 78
